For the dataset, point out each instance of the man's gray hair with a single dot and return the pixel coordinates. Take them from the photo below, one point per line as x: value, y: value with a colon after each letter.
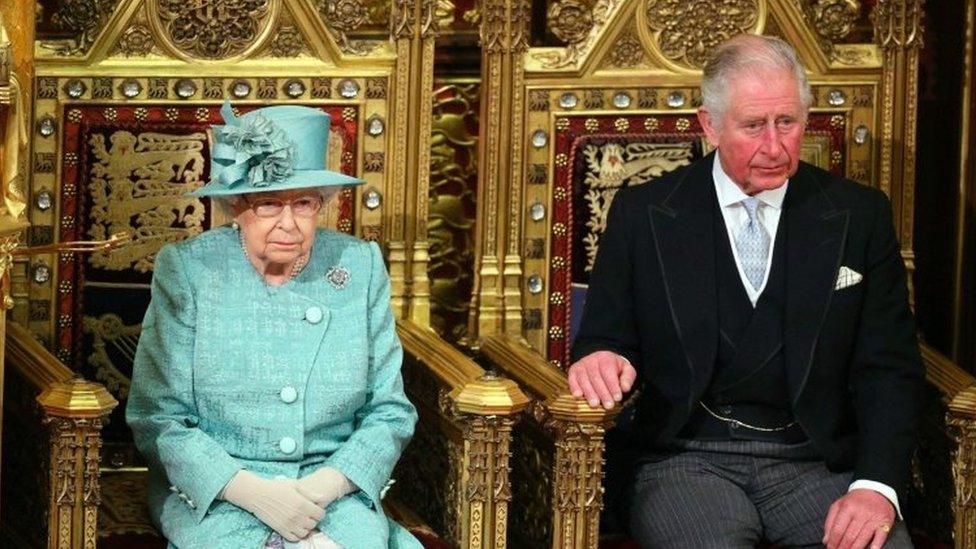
x: 740, y: 55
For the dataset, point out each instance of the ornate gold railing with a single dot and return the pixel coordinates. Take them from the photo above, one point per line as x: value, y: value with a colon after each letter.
x: 457, y: 465
x: 73, y: 411
x: 573, y: 432
x: 959, y: 391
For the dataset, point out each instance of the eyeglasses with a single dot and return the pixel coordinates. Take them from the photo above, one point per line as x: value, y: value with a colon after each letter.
x: 303, y: 206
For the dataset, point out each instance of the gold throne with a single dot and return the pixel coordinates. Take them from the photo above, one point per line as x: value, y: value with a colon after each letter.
x: 605, y: 97
x: 117, y: 111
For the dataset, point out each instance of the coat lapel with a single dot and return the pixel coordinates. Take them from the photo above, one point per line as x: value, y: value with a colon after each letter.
x: 817, y: 231
x: 682, y: 226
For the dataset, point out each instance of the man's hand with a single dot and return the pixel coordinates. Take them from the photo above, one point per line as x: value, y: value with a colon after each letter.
x: 601, y: 377
x: 859, y: 518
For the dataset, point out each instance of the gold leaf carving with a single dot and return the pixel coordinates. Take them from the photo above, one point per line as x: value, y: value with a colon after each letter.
x: 138, y: 185
x: 898, y: 23
x: 574, y: 53
x: 108, y: 330
x: 215, y: 29
x: 342, y: 17
x: 288, y: 43
x: 835, y: 19
x: 137, y: 41
x: 688, y: 30
x: 626, y: 52
x: 569, y: 20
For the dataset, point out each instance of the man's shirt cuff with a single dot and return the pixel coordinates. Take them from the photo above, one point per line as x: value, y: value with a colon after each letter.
x: 887, y: 491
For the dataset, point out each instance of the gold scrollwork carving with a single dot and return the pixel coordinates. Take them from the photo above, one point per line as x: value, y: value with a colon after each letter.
x: 144, y: 178
x: 688, y: 30
x: 84, y: 19
x: 964, y: 475
x: 109, y: 330
x: 137, y: 41
x: 289, y: 42
x: 573, y: 53
x: 834, y: 19
x: 487, y: 490
x: 627, y: 52
x: 402, y: 18
x: 64, y: 446
x: 342, y: 17
x: 503, y: 26
x: 898, y: 23
x: 453, y: 178
x: 570, y: 20
x: 216, y: 29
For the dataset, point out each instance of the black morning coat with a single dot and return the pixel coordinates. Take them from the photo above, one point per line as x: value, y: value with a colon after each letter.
x: 852, y: 360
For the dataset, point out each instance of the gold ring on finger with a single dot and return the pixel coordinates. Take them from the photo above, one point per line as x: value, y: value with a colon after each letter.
x: 884, y: 527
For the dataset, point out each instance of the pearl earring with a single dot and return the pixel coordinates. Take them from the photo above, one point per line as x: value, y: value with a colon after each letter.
x: 234, y: 225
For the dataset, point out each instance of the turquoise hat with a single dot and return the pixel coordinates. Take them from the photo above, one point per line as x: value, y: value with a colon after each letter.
x: 271, y: 149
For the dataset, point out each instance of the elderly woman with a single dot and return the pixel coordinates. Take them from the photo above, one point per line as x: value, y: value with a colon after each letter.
x: 266, y: 393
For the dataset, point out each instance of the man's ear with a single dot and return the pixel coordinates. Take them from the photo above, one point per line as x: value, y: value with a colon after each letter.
x: 708, y: 126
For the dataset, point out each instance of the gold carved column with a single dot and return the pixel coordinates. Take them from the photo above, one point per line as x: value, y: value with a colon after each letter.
x: 496, y: 305
x: 898, y: 31
x: 414, y: 29
x: 962, y: 425
x: 74, y: 411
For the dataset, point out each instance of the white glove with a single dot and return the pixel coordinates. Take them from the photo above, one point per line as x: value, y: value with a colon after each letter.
x: 326, y: 485
x: 281, y: 504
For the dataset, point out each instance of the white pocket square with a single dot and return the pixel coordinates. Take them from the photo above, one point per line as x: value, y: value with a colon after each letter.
x: 847, y: 277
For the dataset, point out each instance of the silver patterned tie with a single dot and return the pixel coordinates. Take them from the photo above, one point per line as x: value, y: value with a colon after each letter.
x: 753, y: 244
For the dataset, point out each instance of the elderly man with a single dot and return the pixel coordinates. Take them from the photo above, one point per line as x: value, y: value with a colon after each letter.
x: 759, y: 305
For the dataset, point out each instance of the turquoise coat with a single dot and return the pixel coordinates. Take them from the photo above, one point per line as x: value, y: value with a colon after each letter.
x: 231, y: 373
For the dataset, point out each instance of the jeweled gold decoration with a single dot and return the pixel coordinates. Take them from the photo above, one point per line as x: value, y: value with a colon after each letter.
x: 569, y: 20
x: 216, y: 29
x: 687, y: 30
x: 138, y: 184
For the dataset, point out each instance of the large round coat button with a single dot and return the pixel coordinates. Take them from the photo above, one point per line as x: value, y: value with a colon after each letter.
x: 287, y: 445
x: 313, y: 315
x: 288, y: 394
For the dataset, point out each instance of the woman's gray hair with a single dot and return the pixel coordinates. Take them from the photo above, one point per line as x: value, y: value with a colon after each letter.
x: 743, y: 54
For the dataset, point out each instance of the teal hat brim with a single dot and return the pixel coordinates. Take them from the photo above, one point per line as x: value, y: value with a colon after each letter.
x: 300, y: 179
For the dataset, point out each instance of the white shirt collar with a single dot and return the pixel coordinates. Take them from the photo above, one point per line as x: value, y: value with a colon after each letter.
x: 729, y: 193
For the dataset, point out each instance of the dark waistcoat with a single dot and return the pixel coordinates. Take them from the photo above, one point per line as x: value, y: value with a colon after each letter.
x: 749, y: 377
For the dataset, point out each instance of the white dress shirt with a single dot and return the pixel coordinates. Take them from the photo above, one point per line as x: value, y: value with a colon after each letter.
x: 730, y: 197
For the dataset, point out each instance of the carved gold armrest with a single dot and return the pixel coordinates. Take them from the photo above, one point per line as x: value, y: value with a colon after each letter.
x: 567, y: 430
x: 455, y: 471
x: 959, y: 391
x: 74, y: 410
